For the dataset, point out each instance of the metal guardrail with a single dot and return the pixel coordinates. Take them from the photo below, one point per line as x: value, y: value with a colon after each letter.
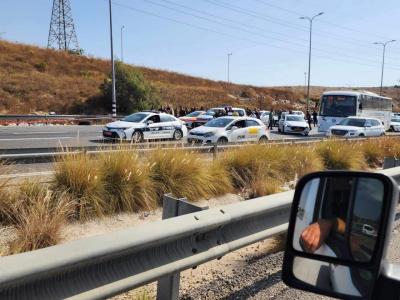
x: 41, y: 155
x: 107, y: 265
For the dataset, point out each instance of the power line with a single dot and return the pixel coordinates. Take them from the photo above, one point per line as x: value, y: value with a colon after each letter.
x: 246, y: 30
x: 233, y: 36
x: 285, y: 23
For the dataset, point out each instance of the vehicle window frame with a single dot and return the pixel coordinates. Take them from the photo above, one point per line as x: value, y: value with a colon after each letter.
x: 254, y: 121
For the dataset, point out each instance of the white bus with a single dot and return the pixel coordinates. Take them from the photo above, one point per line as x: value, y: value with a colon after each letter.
x: 337, y: 105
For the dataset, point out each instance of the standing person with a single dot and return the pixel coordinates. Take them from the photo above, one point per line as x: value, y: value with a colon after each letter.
x: 271, y: 119
x: 308, y: 117
x: 315, y: 118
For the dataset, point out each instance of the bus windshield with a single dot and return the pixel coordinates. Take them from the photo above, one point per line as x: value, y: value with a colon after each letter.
x: 338, y: 106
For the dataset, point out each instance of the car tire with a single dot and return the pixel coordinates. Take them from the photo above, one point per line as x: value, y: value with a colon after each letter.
x: 178, y: 135
x: 391, y: 129
x: 279, y: 129
x: 263, y: 139
x: 283, y: 129
x: 306, y: 134
x: 137, y: 137
x: 361, y: 135
x: 222, y: 141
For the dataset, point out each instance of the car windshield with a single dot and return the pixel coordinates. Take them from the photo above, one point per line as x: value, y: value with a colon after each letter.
x: 220, y: 122
x: 194, y: 114
x: 294, y: 118
x: 210, y: 112
x: 135, y: 118
x: 338, y: 106
x: 353, y: 122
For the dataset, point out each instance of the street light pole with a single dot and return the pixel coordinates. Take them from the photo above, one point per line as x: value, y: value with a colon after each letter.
x: 122, y: 44
x: 383, y: 60
x: 229, y: 61
x: 309, y: 56
x: 114, y: 100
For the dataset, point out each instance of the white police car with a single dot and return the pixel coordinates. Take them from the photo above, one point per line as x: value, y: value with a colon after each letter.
x: 146, y: 126
x: 229, y: 129
x: 290, y: 123
x: 395, y: 123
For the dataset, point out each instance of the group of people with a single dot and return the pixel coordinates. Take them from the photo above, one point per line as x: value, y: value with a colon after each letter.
x: 182, y: 111
x: 310, y: 117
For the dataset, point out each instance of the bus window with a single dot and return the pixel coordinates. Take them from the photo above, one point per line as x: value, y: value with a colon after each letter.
x: 338, y: 106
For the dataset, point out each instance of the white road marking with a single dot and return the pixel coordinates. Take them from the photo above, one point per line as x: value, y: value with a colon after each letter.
x: 39, y: 132
x: 40, y: 138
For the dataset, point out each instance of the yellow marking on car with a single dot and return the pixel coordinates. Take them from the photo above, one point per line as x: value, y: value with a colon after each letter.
x: 253, y: 130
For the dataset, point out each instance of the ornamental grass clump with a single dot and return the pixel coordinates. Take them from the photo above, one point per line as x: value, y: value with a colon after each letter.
x: 341, y: 155
x: 78, y: 176
x: 37, y: 216
x: 127, y: 183
x: 185, y: 174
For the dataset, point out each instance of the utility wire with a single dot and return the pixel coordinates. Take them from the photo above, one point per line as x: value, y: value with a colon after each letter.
x: 236, y: 37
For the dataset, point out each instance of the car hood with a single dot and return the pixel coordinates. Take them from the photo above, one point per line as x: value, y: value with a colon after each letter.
x: 205, y: 129
x: 123, y: 124
x: 296, y: 123
x: 342, y: 127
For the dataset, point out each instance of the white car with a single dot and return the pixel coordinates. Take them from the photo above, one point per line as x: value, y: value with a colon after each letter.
x: 395, y: 123
x: 146, y: 126
x: 293, y: 124
x: 229, y: 129
x: 357, y: 126
x: 298, y: 113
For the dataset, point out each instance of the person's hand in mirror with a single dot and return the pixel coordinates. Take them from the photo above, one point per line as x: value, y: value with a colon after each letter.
x: 315, y: 234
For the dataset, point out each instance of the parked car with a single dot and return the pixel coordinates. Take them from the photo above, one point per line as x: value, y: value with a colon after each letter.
x: 290, y: 123
x: 192, y: 118
x: 229, y: 129
x: 395, y: 123
x: 145, y: 126
x: 298, y: 113
x: 264, y: 117
x: 357, y: 126
x: 219, y: 112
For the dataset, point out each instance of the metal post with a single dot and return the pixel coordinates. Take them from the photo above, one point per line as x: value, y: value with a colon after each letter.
x: 383, y: 60
x: 168, y: 287
x: 229, y: 61
x: 122, y: 44
x: 114, y: 100
x: 309, y: 56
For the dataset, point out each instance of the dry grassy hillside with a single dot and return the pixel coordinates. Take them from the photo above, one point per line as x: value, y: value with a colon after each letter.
x: 34, y: 79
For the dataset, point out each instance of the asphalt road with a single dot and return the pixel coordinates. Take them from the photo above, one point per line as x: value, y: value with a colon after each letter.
x: 25, y: 137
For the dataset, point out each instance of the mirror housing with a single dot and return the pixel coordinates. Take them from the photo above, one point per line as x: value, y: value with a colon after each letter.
x: 233, y: 128
x: 344, y: 263
x: 149, y: 122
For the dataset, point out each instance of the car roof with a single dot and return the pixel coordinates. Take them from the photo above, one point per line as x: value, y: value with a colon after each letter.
x: 363, y: 118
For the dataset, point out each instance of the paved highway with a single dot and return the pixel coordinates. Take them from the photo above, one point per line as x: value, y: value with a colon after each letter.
x: 25, y: 137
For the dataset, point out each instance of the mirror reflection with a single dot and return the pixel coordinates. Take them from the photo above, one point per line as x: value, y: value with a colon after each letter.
x: 335, y: 278
x: 339, y: 217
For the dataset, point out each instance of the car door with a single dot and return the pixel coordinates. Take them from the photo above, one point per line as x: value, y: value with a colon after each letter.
x: 152, y: 129
x: 377, y: 128
x: 369, y: 130
x: 167, y: 124
x: 253, y: 130
x: 239, y: 134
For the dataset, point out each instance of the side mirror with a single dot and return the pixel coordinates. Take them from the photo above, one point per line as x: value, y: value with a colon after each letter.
x: 339, y: 229
x: 368, y: 126
x: 150, y: 122
x: 233, y: 128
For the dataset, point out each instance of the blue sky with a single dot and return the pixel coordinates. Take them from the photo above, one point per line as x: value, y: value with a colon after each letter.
x: 268, y: 41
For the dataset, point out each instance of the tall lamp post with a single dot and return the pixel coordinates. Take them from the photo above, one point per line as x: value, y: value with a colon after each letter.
x: 114, y: 100
x: 229, y: 61
x: 383, y: 59
x: 122, y: 43
x: 309, y: 55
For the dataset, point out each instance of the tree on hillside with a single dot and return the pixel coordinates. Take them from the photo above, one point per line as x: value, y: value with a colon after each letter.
x: 133, y: 91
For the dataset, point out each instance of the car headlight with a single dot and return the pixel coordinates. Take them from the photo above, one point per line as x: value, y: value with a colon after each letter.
x: 208, y: 134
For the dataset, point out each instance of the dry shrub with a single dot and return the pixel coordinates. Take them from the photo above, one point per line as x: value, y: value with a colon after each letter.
x: 37, y: 217
x: 78, y: 176
x: 390, y: 146
x: 184, y: 174
x: 341, y: 155
x: 297, y: 161
x: 127, y: 182
x: 254, y: 169
x: 373, y: 152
